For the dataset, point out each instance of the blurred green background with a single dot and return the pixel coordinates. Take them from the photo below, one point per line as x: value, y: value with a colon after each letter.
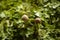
x: 12, y: 27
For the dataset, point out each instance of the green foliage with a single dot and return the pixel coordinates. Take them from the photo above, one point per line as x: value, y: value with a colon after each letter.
x: 12, y: 27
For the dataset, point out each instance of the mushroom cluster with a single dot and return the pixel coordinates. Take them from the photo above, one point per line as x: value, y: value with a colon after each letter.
x: 26, y: 18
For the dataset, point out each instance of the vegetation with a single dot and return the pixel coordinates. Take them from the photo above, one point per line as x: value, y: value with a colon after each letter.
x: 29, y: 19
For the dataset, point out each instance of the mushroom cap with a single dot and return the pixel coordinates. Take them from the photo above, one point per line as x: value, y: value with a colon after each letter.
x: 37, y: 20
x: 25, y: 17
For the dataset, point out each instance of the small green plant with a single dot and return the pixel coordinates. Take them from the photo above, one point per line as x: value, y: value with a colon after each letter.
x: 29, y: 20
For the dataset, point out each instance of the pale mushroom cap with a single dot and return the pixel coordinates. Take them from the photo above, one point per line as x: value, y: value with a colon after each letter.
x: 25, y: 17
